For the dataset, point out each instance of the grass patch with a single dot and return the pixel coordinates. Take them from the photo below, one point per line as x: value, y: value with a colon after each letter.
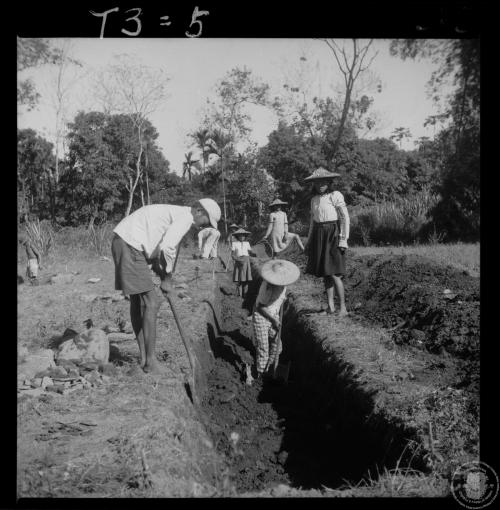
x: 463, y: 256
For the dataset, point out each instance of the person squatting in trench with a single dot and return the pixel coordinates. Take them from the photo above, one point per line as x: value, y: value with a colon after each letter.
x: 276, y: 275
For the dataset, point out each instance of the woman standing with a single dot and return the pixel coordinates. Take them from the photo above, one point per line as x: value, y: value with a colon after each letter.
x: 327, y: 237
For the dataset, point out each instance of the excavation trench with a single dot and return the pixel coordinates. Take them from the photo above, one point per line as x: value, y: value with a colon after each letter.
x: 320, y: 429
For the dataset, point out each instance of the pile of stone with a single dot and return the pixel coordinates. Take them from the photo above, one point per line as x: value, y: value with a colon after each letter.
x: 66, y: 377
x: 81, y: 360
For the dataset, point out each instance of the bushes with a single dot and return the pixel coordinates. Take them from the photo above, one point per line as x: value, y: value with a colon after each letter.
x: 401, y: 221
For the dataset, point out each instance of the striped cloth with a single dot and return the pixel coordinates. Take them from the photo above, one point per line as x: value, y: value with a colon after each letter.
x: 265, y: 337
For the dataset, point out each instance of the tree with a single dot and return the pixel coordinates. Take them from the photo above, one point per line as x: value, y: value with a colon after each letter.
x: 201, y: 138
x: 400, y: 134
x: 250, y: 188
x: 188, y: 164
x: 351, y: 67
x: 289, y: 157
x: 32, y: 53
x: 221, y: 144
x: 137, y: 91
x: 103, y: 148
x: 66, y: 73
x: 458, y: 62
x: 35, y: 161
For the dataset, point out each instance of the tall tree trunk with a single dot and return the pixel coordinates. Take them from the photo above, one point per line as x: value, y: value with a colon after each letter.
x: 223, y: 194
x: 147, y: 178
x: 137, y: 175
x: 343, y: 118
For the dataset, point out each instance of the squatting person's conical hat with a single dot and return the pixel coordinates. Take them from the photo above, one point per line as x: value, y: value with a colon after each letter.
x: 321, y: 173
x: 280, y: 272
x: 277, y: 202
x: 241, y: 231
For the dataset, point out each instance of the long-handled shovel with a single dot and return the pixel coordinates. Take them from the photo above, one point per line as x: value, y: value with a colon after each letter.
x: 184, y: 338
x: 280, y: 370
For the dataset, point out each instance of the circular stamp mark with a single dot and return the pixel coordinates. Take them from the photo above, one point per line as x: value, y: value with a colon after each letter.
x: 474, y: 485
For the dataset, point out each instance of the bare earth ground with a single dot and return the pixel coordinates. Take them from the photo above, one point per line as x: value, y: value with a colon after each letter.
x: 134, y: 415
x: 263, y: 440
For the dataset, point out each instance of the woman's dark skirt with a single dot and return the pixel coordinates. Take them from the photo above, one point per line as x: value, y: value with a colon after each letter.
x: 324, y: 256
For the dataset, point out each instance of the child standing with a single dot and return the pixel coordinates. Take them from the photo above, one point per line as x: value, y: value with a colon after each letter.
x: 277, y: 228
x: 276, y: 274
x: 240, y: 253
x: 33, y: 260
x: 327, y: 238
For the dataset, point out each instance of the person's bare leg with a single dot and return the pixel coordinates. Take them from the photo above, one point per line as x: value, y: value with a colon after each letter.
x: 244, y: 290
x: 151, y: 305
x: 328, y: 280
x: 339, y: 288
x: 299, y: 242
x: 136, y: 311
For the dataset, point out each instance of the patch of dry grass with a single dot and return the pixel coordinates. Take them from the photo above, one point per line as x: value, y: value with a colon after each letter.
x: 463, y: 256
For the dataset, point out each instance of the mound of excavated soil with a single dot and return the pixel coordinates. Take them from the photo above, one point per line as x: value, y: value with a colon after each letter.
x: 434, y: 305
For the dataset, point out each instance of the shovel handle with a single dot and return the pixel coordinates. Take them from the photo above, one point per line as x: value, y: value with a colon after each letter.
x: 181, y: 331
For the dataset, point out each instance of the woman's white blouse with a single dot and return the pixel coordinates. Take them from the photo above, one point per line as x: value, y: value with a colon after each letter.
x: 241, y: 248
x: 331, y: 207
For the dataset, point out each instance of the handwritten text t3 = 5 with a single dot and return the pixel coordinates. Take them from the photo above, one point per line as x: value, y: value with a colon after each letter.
x: 136, y: 20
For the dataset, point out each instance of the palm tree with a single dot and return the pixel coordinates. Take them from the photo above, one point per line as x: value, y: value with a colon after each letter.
x: 201, y: 138
x: 399, y: 134
x: 188, y: 164
x: 219, y: 143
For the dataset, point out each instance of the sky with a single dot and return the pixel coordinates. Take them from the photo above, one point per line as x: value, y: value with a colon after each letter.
x: 196, y: 65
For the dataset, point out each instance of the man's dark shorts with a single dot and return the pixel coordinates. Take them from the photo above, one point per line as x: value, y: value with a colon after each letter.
x: 132, y: 273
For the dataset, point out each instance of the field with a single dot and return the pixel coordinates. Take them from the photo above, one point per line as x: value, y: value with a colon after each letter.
x: 373, y: 407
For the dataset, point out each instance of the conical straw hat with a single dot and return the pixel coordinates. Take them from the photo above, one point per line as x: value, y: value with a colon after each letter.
x: 321, y: 173
x: 241, y: 231
x: 280, y: 272
x: 277, y: 202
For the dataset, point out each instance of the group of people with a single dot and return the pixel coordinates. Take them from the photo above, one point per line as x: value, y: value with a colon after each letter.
x: 148, y: 240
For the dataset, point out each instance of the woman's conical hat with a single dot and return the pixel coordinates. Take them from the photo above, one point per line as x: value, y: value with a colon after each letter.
x: 241, y: 231
x: 280, y: 272
x: 321, y: 173
x: 277, y: 202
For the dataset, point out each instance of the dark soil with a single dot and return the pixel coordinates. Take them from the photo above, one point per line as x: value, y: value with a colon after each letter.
x: 406, y: 293
x: 298, y: 434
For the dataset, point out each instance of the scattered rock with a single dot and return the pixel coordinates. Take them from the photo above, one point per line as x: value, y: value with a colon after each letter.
x: 105, y: 258
x: 93, y: 378
x: 89, y: 366
x: 36, y: 382
x: 227, y: 291
x: 90, y: 345
x: 358, y: 305
x: 181, y: 286
x: 183, y: 295
x: 62, y: 278
x: 117, y: 297
x: 282, y: 457
x: 37, y: 362
x: 280, y: 490
x: 55, y: 388
x: 33, y: 392
x: 418, y: 335
x: 93, y: 280
x: 108, y: 369
x: 46, y: 381
x: 88, y: 298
